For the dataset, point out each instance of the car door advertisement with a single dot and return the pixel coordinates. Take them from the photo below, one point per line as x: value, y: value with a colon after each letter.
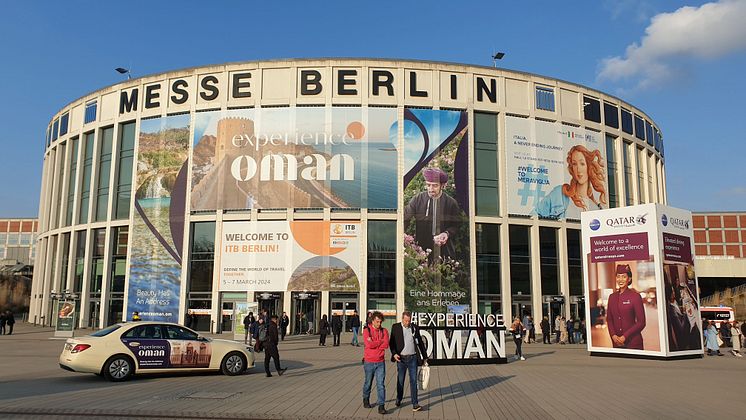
x: 164, y: 354
x: 290, y: 256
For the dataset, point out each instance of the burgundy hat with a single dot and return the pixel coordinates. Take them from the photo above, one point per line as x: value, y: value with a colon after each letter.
x: 623, y: 269
x: 435, y: 175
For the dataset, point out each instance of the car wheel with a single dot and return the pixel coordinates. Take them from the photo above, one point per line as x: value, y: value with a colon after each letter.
x: 233, y: 364
x: 118, y: 368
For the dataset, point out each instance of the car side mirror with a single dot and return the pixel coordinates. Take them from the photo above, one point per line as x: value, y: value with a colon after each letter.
x: 203, y: 339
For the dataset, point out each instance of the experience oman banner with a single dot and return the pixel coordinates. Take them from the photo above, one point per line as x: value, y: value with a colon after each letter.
x: 436, y: 204
x: 342, y: 157
x: 554, y: 171
x: 158, y: 221
x: 276, y: 256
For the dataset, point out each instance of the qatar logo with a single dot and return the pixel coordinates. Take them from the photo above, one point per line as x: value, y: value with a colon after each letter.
x: 595, y: 224
x: 680, y: 223
x: 664, y: 220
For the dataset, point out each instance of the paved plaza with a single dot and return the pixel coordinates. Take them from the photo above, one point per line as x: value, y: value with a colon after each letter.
x: 325, y: 382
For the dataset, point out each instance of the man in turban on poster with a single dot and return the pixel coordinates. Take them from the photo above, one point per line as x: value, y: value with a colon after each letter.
x: 437, y: 216
x: 625, y: 313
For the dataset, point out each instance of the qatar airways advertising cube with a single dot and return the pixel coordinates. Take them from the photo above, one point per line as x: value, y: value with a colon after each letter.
x: 640, y: 283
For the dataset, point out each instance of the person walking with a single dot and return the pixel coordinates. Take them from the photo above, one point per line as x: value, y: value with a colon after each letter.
x: 270, y: 347
x: 735, y: 332
x: 725, y: 333
x: 284, y: 323
x: 711, y: 333
x: 259, y: 329
x: 583, y: 331
x: 355, y: 324
x: 518, y: 331
x: 10, y: 320
x: 336, y: 329
x: 376, y: 341
x: 576, y: 331
x: 2, y: 323
x: 557, y: 322
x: 546, y: 337
x: 571, y: 331
x: 531, y: 330
x: 323, y: 330
x: 248, y: 324
x: 408, y: 351
x: 189, y: 320
x: 563, y: 330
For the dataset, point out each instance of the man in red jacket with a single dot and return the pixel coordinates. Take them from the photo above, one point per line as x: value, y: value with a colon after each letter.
x: 625, y: 313
x: 376, y: 341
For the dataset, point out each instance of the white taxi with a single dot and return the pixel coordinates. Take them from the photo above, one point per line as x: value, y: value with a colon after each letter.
x: 122, y: 350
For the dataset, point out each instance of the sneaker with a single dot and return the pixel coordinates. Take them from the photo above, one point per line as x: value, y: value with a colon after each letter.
x: 416, y: 407
x: 398, y: 403
x: 523, y: 358
x: 381, y: 409
x: 281, y: 371
x: 366, y: 403
x: 269, y: 375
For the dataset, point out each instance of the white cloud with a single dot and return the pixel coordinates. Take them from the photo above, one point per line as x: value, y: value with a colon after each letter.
x: 706, y: 32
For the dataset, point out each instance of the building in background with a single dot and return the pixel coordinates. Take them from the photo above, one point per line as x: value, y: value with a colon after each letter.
x: 720, y: 242
x: 287, y: 183
x: 17, y: 241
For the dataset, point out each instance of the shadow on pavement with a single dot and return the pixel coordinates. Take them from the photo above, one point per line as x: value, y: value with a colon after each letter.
x: 458, y: 390
x: 48, y: 386
x: 293, y: 365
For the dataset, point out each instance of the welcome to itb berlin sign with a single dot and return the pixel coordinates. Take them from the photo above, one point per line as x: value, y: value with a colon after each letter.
x: 457, y: 338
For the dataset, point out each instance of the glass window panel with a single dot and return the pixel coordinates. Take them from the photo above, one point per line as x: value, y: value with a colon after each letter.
x: 639, y: 128
x: 86, y: 180
x: 626, y: 121
x: 628, y: 192
x: 520, y: 260
x: 71, y: 180
x: 124, y: 169
x: 574, y: 262
x: 611, y: 115
x: 488, y: 258
x: 549, y: 261
x: 612, y: 171
x: 104, y: 170
x: 485, y: 164
x: 591, y: 109
x: 544, y: 98
x: 381, y: 256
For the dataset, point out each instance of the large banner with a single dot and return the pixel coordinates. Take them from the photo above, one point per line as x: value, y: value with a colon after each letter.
x: 295, y: 157
x: 635, y: 268
x: 554, y: 171
x: 278, y: 256
x: 158, y: 225
x: 683, y: 318
x: 436, y: 205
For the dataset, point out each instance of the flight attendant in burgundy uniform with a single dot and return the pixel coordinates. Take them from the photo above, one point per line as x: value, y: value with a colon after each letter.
x: 625, y: 314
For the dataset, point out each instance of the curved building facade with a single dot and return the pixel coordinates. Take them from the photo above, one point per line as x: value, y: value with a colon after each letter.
x: 323, y: 186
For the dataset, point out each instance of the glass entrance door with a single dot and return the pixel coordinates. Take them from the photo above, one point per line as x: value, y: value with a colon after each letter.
x: 304, y: 314
x: 227, y: 317
x: 95, y: 307
x: 343, y: 305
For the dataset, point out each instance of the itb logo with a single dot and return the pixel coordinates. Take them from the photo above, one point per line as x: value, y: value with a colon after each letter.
x: 595, y: 224
x: 664, y: 220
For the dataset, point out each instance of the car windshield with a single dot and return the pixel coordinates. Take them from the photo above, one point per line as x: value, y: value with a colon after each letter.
x: 105, y: 331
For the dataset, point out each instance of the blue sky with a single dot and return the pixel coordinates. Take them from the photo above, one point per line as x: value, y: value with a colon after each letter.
x: 682, y: 65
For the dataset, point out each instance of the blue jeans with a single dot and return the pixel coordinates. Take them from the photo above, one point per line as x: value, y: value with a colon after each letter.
x: 378, y: 370
x: 354, y: 335
x: 407, y: 364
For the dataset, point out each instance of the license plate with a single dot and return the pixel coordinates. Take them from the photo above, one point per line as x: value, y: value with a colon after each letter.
x: 68, y: 346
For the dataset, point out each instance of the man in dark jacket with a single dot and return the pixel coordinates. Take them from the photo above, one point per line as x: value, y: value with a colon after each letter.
x: 407, y: 350
x: 270, y: 347
x: 437, y: 216
x: 336, y: 328
x: 284, y: 322
x: 2, y: 322
x: 546, y: 337
x: 355, y: 325
x: 10, y: 320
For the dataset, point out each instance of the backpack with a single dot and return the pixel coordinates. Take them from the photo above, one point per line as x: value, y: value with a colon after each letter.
x: 262, y: 335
